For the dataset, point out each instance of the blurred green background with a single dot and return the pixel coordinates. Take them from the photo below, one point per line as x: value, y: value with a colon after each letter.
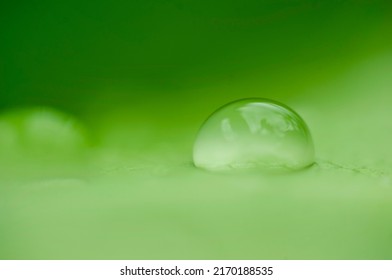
x: 100, y: 103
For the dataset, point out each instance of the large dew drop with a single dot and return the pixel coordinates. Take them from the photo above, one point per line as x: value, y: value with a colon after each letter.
x: 253, y: 134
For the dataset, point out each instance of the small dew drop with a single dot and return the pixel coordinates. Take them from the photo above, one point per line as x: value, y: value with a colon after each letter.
x: 256, y: 134
x: 41, y: 133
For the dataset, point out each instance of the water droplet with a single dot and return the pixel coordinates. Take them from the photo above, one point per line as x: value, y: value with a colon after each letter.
x: 253, y: 134
x: 41, y: 133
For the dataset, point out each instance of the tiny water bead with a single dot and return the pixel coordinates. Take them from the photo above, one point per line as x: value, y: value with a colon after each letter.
x: 256, y: 134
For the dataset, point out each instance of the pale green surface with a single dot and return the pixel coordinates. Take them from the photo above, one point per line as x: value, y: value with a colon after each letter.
x: 134, y: 197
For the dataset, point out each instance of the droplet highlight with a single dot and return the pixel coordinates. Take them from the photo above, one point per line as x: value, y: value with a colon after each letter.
x: 256, y: 133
